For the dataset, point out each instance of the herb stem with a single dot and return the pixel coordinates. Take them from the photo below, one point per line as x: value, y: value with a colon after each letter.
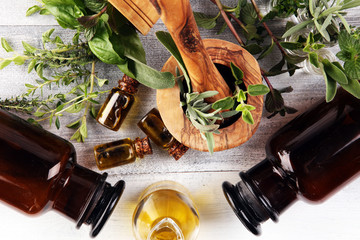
x: 92, y: 77
x: 228, y: 22
x: 268, y: 29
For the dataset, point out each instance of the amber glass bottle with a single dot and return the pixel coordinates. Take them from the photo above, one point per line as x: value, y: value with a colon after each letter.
x: 309, y: 158
x: 118, y: 104
x: 153, y: 126
x: 121, y: 152
x: 38, y: 170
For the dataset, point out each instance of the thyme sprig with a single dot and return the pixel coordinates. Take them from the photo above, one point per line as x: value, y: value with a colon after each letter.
x: 70, y: 65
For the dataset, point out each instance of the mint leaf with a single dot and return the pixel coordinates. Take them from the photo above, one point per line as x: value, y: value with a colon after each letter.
x: 205, y: 21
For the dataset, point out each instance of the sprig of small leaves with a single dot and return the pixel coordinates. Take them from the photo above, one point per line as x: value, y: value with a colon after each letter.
x: 323, y: 17
x: 61, y: 65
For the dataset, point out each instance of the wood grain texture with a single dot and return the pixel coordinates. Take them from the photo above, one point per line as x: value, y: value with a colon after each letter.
x: 168, y: 100
x: 140, y: 13
x: 180, y: 22
x: 200, y: 172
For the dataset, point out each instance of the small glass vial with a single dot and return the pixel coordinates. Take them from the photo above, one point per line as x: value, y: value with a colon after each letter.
x: 118, y: 103
x: 121, y: 152
x: 165, y: 211
x: 310, y: 158
x: 153, y: 126
x: 38, y: 172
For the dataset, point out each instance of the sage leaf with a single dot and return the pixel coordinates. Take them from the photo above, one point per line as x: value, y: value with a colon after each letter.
x: 149, y: 76
x: 296, y: 28
x: 6, y: 46
x: 210, y: 142
x: 334, y: 72
x: 207, y: 94
x: 258, y: 89
x: 224, y: 104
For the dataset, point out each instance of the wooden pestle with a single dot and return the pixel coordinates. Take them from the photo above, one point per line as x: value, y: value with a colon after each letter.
x: 178, y: 18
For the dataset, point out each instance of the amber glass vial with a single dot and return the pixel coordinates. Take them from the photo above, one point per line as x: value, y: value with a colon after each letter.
x: 121, y: 152
x: 38, y: 172
x: 309, y: 158
x: 118, y: 104
x: 153, y: 126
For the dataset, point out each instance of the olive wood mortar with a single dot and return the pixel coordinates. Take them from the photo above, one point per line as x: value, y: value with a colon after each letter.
x: 168, y: 100
x: 198, y: 57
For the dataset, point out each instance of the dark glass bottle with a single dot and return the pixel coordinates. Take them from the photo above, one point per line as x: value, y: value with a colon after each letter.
x: 38, y: 171
x: 153, y: 126
x: 117, y: 105
x: 121, y: 152
x: 309, y: 158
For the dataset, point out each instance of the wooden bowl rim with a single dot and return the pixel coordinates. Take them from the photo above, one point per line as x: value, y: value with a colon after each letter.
x: 168, y: 101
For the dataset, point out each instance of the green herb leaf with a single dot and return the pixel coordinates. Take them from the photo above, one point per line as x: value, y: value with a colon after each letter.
x: 32, y: 10
x: 236, y: 72
x: 352, y: 68
x: 330, y: 85
x: 19, y: 60
x: 74, y: 125
x: 210, y: 142
x: 247, y: 117
x: 205, y: 21
x: 224, y: 104
x: 248, y: 14
x: 83, y: 129
x: 314, y: 59
x: 258, y: 89
x: 254, y: 48
x: 268, y: 49
x: 5, y: 63
x: 57, y: 122
x: 95, y: 5
x: 352, y: 87
x: 334, y: 72
x: 291, y: 45
x: 6, y: 46
x: 28, y: 47
x: 296, y: 28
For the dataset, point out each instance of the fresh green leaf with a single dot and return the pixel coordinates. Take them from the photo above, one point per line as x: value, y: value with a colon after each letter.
x: 296, y: 28
x: 334, y: 72
x: 6, y: 46
x: 95, y: 5
x: 236, y: 72
x: 330, y: 85
x: 224, y: 104
x: 274, y: 101
x: 248, y: 14
x: 19, y: 60
x: 83, y: 129
x: 205, y: 21
x: 32, y: 10
x: 254, y: 48
x: 210, y: 142
x: 258, y: 89
x: 241, y: 96
x: 66, y: 12
x: 314, y: 59
x: 352, y: 87
x: 247, y: 117
x: 291, y: 45
x: 352, y: 68
x: 46, y: 35
x: 5, y: 63
x: 28, y: 47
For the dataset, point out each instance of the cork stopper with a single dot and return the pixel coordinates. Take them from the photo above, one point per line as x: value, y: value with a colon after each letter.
x: 128, y: 84
x: 142, y: 147
x: 177, y: 150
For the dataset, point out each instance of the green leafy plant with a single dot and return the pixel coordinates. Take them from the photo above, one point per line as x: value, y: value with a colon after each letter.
x: 101, y: 34
x: 197, y: 109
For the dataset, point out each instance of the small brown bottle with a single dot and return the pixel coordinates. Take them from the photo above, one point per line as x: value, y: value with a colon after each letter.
x: 38, y: 169
x: 153, y: 126
x: 121, y: 152
x: 118, y: 103
x: 309, y: 158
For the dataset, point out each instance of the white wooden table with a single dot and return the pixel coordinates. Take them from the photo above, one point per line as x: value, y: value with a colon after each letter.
x: 201, y: 173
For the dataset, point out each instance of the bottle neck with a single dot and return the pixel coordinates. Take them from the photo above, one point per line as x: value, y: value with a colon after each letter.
x: 264, y: 192
x: 87, y: 198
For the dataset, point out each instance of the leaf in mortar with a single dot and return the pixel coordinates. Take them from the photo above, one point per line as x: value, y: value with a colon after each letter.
x: 258, y: 89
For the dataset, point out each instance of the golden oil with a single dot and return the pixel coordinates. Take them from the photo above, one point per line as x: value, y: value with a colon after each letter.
x: 166, y: 212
